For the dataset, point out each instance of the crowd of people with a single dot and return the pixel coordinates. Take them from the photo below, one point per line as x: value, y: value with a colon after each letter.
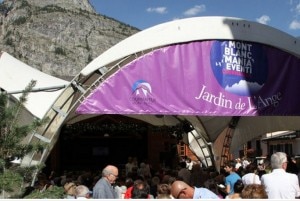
x: 238, y: 179
x: 277, y: 179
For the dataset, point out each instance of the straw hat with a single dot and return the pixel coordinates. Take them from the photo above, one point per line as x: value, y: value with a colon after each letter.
x: 70, y: 188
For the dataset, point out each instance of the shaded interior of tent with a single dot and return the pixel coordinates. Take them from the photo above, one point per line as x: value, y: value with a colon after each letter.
x: 111, y: 139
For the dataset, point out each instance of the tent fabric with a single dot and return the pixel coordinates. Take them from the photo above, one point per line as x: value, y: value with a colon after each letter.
x: 207, y: 29
x: 193, y: 29
x: 211, y: 128
x: 16, y: 75
x: 206, y: 78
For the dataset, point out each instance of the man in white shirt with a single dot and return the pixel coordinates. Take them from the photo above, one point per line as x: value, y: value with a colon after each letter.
x: 280, y: 184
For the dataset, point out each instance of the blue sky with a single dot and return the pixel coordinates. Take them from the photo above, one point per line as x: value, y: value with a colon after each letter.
x: 280, y: 14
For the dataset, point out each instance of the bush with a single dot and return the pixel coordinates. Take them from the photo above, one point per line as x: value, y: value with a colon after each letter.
x: 52, y: 192
x: 12, y: 177
x: 19, y: 21
x: 59, y: 50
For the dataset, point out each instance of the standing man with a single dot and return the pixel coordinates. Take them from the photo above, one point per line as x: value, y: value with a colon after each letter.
x: 103, y: 189
x: 280, y: 184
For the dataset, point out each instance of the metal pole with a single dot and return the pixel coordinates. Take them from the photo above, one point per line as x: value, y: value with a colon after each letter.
x: 54, y: 88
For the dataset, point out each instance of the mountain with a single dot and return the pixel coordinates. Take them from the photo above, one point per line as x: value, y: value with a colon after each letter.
x: 58, y: 37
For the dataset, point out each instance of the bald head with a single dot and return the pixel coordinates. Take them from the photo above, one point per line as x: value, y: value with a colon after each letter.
x: 110, y: 169
x: 111, y: 173
x: 180, y: 188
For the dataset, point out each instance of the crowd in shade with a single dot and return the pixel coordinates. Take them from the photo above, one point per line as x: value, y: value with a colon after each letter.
x: 274, y: 178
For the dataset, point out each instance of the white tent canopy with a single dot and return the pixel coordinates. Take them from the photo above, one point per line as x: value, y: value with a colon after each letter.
x: 192, y: 29
x: 208, y: 130
x: 201, y: 29
x: 16, y: 75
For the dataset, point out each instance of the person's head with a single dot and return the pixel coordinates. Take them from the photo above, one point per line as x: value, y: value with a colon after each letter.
x: 279, y: 160
x: 238, y: 186
x: 163, y: 189
x: 111, y: 173
x: 69, y: 188
x: 140, y: 189
x: 181, y: 190
x: 254, y: 191
x: 128, y: 182
x: 251, y: 168
x: 82, y: 191
x: 142, y: 165
x: 229, y: 166
x: 138, y: 193
x: 129, y: 159
x: 139, y: 183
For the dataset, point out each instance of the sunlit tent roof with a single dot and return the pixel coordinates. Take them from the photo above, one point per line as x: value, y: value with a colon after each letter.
x: 192, y: 29
x: 198, y: 29
x: 16, y: 75
x: 103, y: 86
x: 213, y: 123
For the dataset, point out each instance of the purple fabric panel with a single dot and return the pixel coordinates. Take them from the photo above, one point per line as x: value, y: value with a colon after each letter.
x: 224, y: 78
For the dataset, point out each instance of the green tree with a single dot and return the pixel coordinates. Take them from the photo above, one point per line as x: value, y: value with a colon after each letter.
x: 12, y: 134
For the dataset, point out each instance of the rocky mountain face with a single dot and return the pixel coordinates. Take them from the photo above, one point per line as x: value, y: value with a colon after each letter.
x: 58, y: 37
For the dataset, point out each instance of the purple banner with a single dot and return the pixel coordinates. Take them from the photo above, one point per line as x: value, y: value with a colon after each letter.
x: 222, y: 78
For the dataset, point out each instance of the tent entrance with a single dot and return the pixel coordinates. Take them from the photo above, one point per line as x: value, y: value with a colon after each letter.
x: 111, y: 139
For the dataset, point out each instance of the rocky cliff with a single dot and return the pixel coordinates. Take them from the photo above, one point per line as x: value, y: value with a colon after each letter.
x: 58, y: 37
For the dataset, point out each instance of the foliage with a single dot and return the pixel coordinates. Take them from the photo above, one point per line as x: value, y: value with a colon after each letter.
x: 9, y: 42
x: 12, y: 134
x: 53, y: 8
x: 90, y: 58
x: 53, y: 192
x: 19, y: 21
x: 8, y: 33
x: 24, y: 4
x: 9, y: 180
x: 59, y: 50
